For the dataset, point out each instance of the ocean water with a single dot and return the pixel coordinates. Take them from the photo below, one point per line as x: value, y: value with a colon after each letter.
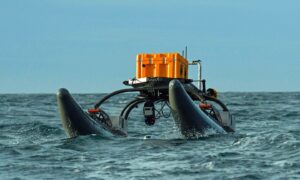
x: 266, y: 145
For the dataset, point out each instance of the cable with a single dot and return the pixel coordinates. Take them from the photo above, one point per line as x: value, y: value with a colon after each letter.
x: 160, y: 112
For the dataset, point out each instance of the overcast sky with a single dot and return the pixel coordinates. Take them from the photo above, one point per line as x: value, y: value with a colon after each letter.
x: 90, y: 46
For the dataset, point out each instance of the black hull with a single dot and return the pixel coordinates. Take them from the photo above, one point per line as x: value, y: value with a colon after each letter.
x: 187, y: 115
x: 77, y: 122
x: 191, y: 120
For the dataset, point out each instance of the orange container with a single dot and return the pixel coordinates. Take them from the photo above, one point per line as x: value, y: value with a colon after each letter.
x: 166, y: 65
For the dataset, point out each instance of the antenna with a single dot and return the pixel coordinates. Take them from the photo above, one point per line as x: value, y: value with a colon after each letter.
x: 186, y: 52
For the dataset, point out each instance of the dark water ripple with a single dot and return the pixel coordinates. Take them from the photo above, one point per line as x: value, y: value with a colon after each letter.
x: 33, y: 144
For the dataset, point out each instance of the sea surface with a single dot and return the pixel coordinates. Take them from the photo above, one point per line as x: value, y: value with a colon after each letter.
x: 266, y: 145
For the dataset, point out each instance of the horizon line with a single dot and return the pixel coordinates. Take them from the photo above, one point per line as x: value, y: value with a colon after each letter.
x: 256, y: 91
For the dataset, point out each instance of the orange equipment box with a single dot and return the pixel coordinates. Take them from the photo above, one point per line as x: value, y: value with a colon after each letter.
x: 167, y: 65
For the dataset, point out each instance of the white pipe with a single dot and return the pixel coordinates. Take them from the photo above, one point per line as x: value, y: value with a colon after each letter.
x: 198, y: 62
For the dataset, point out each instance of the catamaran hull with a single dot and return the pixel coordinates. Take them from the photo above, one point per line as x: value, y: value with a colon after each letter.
x: 77, y: 122
x: 190, y: 119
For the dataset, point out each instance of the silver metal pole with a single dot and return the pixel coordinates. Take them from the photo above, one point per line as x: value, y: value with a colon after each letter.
x: 186, y: 52
x: 198, y: 62
x: 199, y: 74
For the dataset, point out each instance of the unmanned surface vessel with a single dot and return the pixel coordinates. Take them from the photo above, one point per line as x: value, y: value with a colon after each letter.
x: 160, y: 78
